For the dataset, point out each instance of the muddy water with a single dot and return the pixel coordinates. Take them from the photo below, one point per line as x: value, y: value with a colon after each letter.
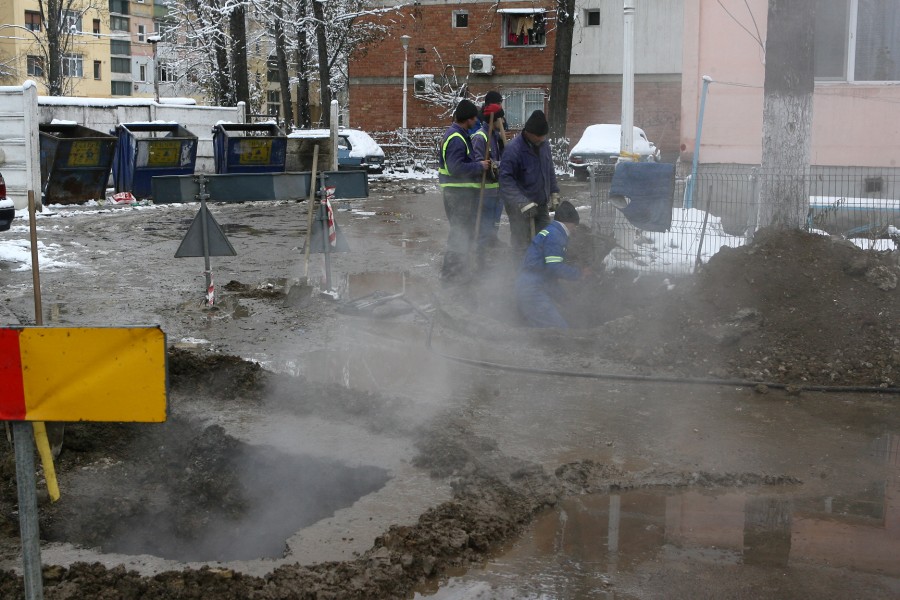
x: 608, y: 546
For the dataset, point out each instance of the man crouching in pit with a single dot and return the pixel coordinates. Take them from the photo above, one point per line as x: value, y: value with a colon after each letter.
x: 537, y: 285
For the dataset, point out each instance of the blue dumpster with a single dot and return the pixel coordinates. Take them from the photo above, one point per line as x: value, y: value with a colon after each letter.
x: 249, y: 148
x: 147, y: 150
x: 75, y: 163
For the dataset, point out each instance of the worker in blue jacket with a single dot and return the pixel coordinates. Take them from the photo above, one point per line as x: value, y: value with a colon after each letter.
x: 459, y: 175
x: 542, y: 268
x: 491, y: 208
x: 527, y: 177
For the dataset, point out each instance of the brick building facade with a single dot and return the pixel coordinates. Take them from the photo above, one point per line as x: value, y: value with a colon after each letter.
x: 518, y: 39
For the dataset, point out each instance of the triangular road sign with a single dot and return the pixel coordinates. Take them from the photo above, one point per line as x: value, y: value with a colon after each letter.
x: 192, y: 244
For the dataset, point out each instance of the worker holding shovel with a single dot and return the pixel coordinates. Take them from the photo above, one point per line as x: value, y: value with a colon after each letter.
x: 528, y: 185
x: 486, y: 145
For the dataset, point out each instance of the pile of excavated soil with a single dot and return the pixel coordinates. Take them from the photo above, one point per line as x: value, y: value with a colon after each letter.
x: 792, y: 308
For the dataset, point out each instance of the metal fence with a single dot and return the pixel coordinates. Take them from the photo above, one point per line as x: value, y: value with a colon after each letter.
x: 721, y: 208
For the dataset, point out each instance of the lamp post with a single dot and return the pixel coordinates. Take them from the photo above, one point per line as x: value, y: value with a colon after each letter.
x: 154, y: 41
x: 404, y: 40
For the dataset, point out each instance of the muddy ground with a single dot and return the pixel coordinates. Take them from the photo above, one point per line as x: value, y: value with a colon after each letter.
x: 321, y: 448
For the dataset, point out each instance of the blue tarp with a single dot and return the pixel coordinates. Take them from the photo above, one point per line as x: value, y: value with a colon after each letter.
x: 246, y: 148
x: 650, y: 187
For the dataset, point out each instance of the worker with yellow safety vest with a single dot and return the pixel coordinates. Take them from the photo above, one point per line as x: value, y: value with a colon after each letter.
x: 491, y: 208
x: 459, y: 175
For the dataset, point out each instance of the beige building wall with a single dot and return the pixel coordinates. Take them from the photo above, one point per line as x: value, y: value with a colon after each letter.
x: 854, y: 124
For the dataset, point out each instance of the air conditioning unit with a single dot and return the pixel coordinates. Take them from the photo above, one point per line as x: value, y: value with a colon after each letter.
x: 481, y: 63
x: 422, y: 83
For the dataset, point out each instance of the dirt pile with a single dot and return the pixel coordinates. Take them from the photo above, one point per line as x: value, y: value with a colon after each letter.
x: 791, y: 307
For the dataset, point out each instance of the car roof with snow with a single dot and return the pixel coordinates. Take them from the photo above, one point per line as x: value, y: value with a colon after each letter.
x: 362, y: 144
x: 606, y: 138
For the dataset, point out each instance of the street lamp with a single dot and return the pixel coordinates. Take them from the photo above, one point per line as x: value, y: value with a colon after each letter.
x: 154, y: 41
x: 404, y: 39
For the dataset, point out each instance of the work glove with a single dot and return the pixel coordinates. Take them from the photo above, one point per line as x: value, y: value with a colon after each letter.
x: 529, y: 211
x: 493, y: 173
x: 554, y: 201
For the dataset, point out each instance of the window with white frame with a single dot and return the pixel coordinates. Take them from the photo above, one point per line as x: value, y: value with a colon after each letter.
x: 857, y: 40
x: 460, y: 18
x: 120, y: 88
x: 120, y: 65
x: 273, y: 103
x: 32, y: 20
x: 519, y: 104
x: 71, y: 21
x: 142, y: 33
x: 523, y: 27
x: 118, y: 23
x: 165, y: 72
x: 142, y: 72
x: 591, y: 18
x: 72, y: 65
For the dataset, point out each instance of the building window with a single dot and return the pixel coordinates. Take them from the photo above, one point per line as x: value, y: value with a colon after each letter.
x: 118, y: 23
x: 272, y: 73
x: 71, y: 21
x: 120, y: 88
x: 142, y: 33
x: 874, y: 185
x: 120, y: 65
x: 120, y: 47
x: 592, y: 18
x: 165, y: 72
x: 273, y: 103
x: 72, y: 65
x: 97, y: 68
x: 119, y: 6
x: 523, y: 27
x: 142, y: 73
x: 32, y: 20
x: 97, y: 27
x: 519, y: 104
x: 857, y: 40
x: 460, y: 18
x: 36, y: 66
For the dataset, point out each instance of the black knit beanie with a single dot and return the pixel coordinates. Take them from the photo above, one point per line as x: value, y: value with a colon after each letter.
x: 537, y: 123
x: 466, y: 109
x: 493, y: 97
x: 566, y: 213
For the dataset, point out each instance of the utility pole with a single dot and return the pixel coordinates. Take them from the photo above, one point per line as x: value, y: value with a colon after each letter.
x: 404, y: 40
x: 154, y: 41
x: 627, y: 143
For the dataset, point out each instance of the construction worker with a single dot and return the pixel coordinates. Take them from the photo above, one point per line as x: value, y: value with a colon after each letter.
x: 491, y: 208
x: 528, y: 185
x: 459, y: 175
x: 542, y: 268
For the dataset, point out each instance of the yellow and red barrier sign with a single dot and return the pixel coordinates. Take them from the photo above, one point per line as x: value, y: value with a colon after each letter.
x: 83, y: 374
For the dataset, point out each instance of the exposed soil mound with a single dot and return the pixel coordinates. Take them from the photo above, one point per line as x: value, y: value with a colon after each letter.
x: 791, y: 307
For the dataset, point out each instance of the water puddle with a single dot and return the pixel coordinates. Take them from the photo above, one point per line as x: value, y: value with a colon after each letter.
x: 596, y: 546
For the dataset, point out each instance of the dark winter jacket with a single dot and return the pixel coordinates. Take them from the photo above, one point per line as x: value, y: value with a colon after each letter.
x: 479, y: 150
x: 457, y: 166
x: 526, y: 173
x: 544, y: 260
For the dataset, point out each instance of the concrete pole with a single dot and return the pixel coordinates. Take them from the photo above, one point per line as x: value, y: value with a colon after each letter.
x: 154, y: 41
x: 627, y: 145
x: 404, y: 39
x: 334, y: 137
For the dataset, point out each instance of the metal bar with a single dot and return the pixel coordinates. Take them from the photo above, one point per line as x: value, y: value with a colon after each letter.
x: 28, y: 518
x: 689, y: 195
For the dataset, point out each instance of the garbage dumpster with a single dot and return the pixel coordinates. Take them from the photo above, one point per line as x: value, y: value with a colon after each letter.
x: 249, y: 148
x: 147, y: 150
x: 75, y: 163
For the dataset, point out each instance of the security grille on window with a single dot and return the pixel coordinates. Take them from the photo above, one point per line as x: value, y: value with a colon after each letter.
x: 32, y: 20
x: 72, y: 65
x: 857, y: 40
x: 592, y: 18
x: 519, y: 104
x: 35, y: 66
x: 460, y: 18
x: 120, y: 47
x: 120, y: 65
x: 523, y: 27
x: 120, y: 88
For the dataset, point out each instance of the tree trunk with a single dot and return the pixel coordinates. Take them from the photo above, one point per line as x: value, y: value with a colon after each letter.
x: 324, y: 72
x: 238, y: 28
x: 787, y: 114
x: 304, y: 119
x: 562, y: 59
x: 54, y: 48
x: 281, y: 58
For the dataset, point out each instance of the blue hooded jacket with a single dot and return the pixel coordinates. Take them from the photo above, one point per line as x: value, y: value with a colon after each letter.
x: 526, y: 173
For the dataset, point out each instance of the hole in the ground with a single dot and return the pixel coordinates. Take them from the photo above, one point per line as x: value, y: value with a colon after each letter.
x: 212, y: 499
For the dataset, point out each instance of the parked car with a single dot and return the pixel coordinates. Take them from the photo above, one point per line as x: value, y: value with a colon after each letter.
x: 356, y: 149
x: 7, y: 208
x: 599, y: 146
